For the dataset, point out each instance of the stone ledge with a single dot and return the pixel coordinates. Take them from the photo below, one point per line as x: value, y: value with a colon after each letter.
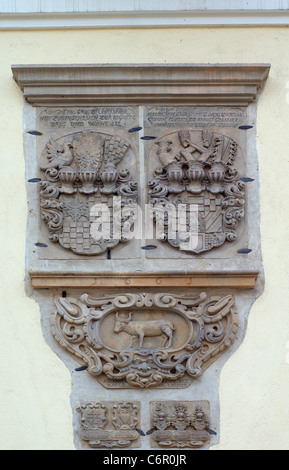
x: 61, y: 14
x: 44, y: 280
x: 137, y: 84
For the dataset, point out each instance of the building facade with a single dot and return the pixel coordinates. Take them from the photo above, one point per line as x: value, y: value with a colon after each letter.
x: 250, y: 385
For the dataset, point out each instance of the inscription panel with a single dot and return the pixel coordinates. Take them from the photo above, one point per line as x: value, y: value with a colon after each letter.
x: 87, y: 117
x: 193, y: 117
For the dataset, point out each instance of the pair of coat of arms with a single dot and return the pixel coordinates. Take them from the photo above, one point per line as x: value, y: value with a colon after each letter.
x: 89, y: 198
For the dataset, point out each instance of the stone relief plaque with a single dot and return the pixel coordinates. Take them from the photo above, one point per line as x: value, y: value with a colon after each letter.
x: 179, y: 424
x: 196, y: 193
x: 109, y: 424
x: 146, y: 340
x: 179, y: 139
x: 88, y: 197
x: 193, y: 117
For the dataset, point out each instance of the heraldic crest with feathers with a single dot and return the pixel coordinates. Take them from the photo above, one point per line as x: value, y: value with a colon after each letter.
x: 81, y: 174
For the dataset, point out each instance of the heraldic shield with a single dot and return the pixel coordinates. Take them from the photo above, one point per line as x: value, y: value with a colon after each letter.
x: 84, y: 190
x: 197, y: 196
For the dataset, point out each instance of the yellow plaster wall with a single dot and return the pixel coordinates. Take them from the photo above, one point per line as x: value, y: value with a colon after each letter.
x: 35, y: 385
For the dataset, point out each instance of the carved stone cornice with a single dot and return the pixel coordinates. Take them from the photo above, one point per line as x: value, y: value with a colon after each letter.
x: 190, y: 84
x: 49, y: 280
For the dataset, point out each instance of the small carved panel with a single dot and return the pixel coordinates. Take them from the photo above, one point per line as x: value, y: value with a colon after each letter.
x: 110, y: 424
x: 196, y: 193
x: 180, y: 424
x: 146, y: 340
x: 87, y: 194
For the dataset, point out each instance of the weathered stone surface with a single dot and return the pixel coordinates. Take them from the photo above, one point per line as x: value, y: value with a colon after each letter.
x: 197, y: 117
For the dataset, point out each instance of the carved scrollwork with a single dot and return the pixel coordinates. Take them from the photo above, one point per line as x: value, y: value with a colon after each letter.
x: 146, y: 340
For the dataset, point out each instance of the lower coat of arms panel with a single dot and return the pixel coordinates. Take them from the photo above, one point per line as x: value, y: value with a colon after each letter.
x: 110, y: 424
x: 180, y: 424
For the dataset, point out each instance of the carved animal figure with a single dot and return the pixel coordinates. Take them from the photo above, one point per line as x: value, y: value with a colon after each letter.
x: 58, y: 155
x: 139, y: 329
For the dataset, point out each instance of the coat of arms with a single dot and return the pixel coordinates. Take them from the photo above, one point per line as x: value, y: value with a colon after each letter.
x: 197, y: 195
x: 109, y: 424
x: 82, y: 182
x: 180, y: 424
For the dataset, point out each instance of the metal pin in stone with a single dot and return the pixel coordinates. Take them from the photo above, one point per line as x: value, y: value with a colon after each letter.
x: 150, y: 431
x: 34, y: 133
x: 246, y: 179
x: 135, y: 129
x: 210, y: 431
x: 78, y: 369
x: 34, y: 180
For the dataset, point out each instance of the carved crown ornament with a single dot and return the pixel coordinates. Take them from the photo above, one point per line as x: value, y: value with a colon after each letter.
x: 81, y: 178
x: 145, y: 340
